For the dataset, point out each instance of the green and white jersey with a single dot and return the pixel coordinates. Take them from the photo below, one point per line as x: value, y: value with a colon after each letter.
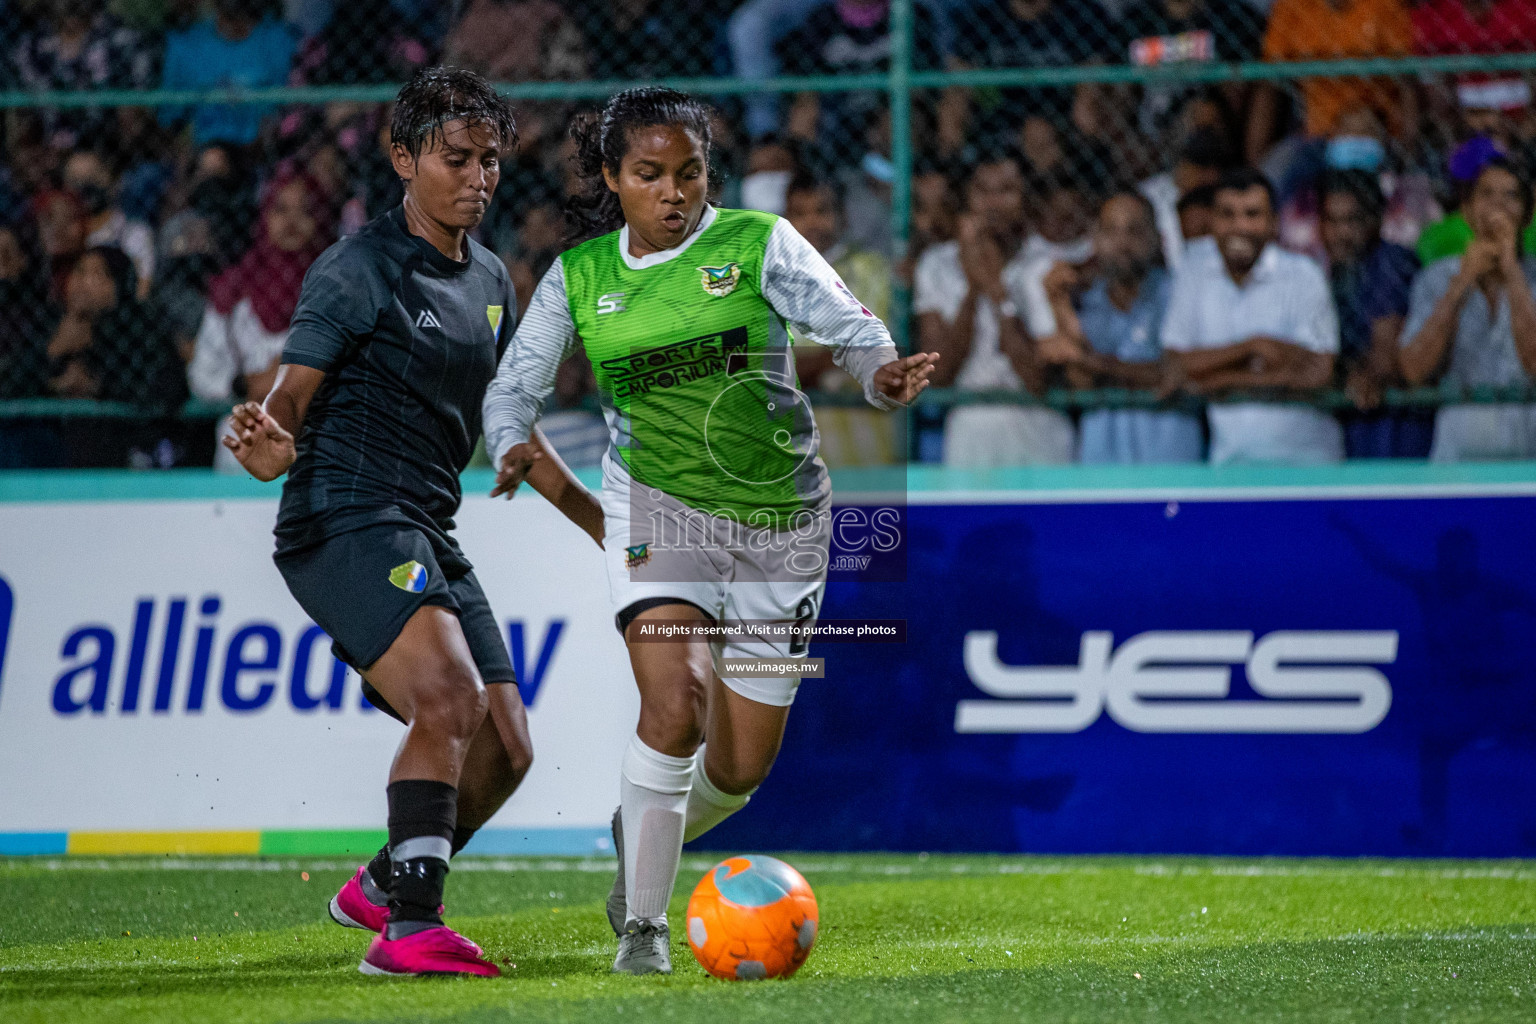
x: 694, y: 362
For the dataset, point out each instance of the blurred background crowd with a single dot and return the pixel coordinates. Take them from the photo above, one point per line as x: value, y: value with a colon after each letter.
x: 1230, y: 270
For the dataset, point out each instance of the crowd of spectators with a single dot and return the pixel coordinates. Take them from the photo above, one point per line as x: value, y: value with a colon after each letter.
x: 1249, y: 245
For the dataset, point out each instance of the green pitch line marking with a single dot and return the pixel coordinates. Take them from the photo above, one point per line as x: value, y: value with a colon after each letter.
x: 300, y: 843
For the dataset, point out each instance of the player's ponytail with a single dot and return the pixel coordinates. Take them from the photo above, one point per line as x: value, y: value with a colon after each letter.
x: 602, y: 139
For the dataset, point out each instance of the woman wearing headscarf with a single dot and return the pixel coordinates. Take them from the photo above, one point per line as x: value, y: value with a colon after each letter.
x: 245, y: 322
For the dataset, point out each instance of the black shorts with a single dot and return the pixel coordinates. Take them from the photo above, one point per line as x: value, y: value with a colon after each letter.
x: 361, y: 587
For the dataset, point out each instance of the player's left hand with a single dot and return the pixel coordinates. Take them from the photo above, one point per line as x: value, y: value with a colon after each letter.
x: 514, y: 468
x: 904, y: 379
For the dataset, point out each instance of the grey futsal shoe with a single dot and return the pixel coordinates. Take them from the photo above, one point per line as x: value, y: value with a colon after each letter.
x: 617, y: 906
x: 645, y: 948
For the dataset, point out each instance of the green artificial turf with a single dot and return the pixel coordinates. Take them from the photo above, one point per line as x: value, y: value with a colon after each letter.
x: 903, y: 939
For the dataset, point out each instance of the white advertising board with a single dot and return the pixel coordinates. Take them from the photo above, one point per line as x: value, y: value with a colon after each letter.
x: 126, y: 702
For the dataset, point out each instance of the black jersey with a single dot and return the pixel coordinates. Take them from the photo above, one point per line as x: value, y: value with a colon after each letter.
x: 408, y: 340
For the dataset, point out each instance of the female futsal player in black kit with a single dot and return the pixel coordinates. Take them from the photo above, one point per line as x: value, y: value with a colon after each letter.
x: 374, y: 414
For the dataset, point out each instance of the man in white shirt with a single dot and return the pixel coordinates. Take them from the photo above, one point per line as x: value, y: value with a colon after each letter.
x: 968, y: 314
x: 1245, y: 315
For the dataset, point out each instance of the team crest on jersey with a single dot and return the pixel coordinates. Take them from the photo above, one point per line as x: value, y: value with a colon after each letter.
x: 410, y: 577
x: 635, y: 557
x: 493, y: 314
x: 721, y: 281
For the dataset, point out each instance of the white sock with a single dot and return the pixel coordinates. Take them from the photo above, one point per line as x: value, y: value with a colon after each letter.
x: 653, y: 798
x: 707, y: 805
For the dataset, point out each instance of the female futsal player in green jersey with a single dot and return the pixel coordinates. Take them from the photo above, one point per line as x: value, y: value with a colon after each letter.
x: 716, y: 506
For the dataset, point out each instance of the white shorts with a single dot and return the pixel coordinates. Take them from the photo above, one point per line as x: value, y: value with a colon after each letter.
x: 656, y: 547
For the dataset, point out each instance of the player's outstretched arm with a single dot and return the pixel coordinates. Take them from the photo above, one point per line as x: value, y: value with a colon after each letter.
x: 804, y: 290
x: 537, y: 462
x: 262, y: 436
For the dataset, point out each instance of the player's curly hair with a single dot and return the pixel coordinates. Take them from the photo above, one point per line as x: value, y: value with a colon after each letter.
x: 438, y: 95
x: 602, y: 139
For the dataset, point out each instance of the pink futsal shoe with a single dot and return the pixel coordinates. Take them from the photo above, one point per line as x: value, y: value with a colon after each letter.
x: 351, y: 907
x: 439, y: 950
x: 355, y: 905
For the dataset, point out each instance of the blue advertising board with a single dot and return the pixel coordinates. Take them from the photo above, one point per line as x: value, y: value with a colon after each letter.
x: 1226, y: 660
x: 1247, y: 673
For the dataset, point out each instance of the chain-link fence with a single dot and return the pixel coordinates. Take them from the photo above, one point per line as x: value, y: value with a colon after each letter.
x: 172, y: 167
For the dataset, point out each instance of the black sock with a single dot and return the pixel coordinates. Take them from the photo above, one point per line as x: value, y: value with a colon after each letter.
x: 379, y: 868
x: 462, y: 834
x: 421, y: 817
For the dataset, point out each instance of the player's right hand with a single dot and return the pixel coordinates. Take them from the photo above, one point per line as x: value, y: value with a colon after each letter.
x: 259, y: 442
x: 514, y: 468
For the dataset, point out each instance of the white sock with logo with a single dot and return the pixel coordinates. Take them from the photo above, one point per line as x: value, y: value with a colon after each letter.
x: 653, y: 800
x: 707, y: 805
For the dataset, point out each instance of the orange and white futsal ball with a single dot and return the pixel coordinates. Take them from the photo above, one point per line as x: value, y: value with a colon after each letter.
x: 752, y: 917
